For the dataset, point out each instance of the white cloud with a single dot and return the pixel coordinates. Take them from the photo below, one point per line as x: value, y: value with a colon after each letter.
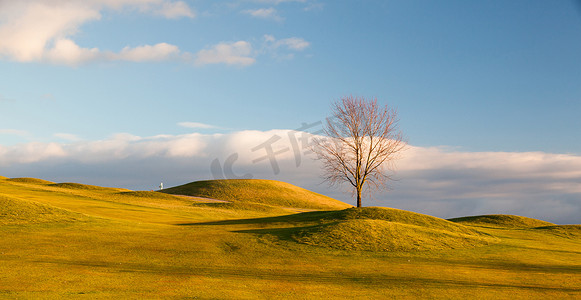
x: 264, y: 13
x: 66, y: 52
x: 31, y: 153
x: 14, y: 132
x: 126, y: 146
x: 453, y: 183
x: 284, y: 48
x: 236, y: 53
x: 158, y: 52
x: 173, y: 10
x: 27, y: 28
x: 293, y: 43
x: 436, y: 181
x: 42, y: 31
x: 196, y: 125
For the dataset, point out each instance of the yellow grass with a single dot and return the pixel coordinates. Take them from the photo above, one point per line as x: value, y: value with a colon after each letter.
x: 502, y: 221
x: 269, y: 192
x: 102, y: 243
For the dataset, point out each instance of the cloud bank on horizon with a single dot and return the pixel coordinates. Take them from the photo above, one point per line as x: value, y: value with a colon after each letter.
x: 44, y: 31
x: 433, y: 180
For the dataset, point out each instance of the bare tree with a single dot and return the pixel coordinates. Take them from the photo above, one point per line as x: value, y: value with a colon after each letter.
x: 362, y: 141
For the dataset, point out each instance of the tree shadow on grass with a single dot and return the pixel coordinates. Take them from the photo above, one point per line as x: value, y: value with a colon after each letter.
x: 283, y: 234
x: 305, y: 217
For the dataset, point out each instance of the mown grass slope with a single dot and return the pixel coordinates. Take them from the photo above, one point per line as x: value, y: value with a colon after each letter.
x: 502, y: 221
x: 269, y: 192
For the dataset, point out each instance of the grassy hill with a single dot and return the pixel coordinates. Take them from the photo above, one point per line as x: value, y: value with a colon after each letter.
x: 29, y: 180
x: 502, y: 221
x: 388, y: 229
x: 68, y: 240
x: 268, y: 192
x: 374, y: 229
x: 14, y: 211
x: 567, y: 231
x: 78, y: 186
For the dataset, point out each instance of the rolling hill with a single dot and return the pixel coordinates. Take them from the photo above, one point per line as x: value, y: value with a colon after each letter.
x: 29, y: 180
x: 268, y: 192
x: 79, y: 241
x: 501, y: 221
x: 15, y: 211
x: 388, y: 229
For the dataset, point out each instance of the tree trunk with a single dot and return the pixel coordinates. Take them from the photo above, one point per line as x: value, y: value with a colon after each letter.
x: 358, y: 197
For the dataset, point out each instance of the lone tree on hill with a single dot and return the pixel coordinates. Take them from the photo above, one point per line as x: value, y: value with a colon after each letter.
x: 362, y: 141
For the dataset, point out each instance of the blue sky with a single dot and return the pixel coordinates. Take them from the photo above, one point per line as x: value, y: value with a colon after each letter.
x: 479, y: 78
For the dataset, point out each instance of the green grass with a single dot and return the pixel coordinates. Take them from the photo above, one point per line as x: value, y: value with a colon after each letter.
x: 267, y: 192
x: 69, y: 241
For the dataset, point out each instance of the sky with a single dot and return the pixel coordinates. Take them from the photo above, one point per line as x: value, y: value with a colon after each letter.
x: 132, y: 93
